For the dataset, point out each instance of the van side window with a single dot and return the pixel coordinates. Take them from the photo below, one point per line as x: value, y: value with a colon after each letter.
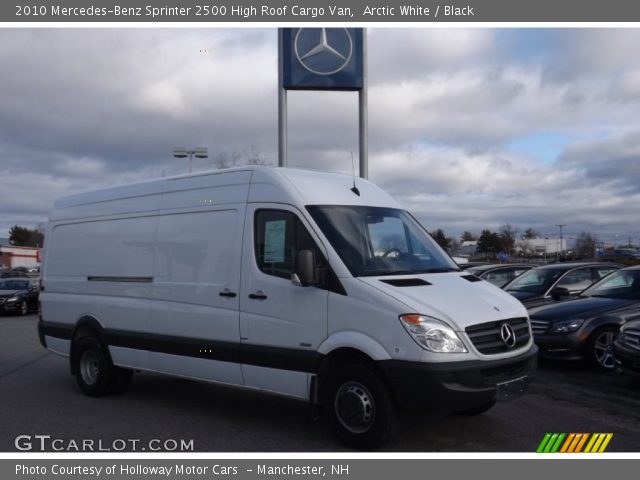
x: 278, y: 236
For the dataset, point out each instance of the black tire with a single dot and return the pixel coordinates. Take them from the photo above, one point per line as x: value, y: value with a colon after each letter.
x: 95, y: 374
x: 599, y: 349
x: 359, y: 407
x: 479, y: 410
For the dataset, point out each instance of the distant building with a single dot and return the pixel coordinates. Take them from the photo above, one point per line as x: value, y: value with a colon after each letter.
x: 541, y: 246
x: 12, y: 257
x: 468, y: 247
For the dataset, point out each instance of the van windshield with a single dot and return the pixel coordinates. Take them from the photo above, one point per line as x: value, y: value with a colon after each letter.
x: 380, y: 241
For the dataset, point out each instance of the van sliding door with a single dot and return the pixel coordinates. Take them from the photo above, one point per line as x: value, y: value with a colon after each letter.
x: 195, y: 310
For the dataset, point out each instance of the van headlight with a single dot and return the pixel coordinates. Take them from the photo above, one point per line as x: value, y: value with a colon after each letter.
x: 432, y: 335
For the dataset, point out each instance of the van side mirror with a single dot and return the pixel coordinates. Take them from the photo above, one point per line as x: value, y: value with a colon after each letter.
x: 304, y: 272
x: 559, y: 293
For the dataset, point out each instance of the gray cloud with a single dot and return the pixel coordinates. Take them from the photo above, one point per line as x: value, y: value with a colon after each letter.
x: 87, y: 108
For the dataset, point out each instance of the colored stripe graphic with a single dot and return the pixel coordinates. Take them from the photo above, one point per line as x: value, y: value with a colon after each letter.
x: 574, y: 442
x: 543, y: 443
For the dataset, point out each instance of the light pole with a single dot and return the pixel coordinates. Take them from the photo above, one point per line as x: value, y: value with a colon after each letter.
x: 199, y: 152
x: 560, y: 226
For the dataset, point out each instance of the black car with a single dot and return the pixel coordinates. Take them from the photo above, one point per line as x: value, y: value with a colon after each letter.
x: 499, y: 273
x: 558, y: 281
x: 586, y: 326
x: 18, y: 295
x: 627, y: 346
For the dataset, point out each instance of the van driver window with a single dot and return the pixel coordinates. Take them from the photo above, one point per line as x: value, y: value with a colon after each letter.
x: 278, y: 236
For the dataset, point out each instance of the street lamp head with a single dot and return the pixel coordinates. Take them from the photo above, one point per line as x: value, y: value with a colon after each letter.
x: 180, y: 152
x: 200, y: 152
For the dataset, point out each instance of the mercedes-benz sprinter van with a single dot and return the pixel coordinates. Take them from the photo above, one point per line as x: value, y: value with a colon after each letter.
x: 288, y: 281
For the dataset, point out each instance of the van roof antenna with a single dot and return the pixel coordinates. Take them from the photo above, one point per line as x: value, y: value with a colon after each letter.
x: 354, y: 189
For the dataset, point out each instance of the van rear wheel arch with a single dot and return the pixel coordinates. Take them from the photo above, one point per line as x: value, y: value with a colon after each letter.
x: 86, y: 327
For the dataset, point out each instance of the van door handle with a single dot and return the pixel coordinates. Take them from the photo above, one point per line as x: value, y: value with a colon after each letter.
x: 227, y: 293
x: 259, y: 295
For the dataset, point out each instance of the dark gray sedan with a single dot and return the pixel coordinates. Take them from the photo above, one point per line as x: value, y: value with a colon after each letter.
x: 558, y: 281
x: 585, y: 328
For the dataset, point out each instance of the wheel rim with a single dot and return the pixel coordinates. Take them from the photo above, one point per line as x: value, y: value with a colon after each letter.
x: 89, y: 368
x: 355, y: 407
x: 23, y: 308
x: 603, y: 349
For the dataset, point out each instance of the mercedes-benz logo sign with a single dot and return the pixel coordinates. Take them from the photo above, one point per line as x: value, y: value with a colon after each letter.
x: 507, y: 335
x: 323, y: 51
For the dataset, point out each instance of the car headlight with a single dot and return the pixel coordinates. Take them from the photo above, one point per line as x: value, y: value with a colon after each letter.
x: 13, y: 299
x: 432, y: 335
x: 566, y: 326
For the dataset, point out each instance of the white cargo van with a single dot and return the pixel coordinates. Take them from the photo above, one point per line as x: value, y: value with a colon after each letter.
x: 282, y: 280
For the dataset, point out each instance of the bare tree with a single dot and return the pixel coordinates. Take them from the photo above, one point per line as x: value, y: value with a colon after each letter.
x: 508, y: 237
x: 251, y: 156
x: 467, y: 236
x: 585, y: 245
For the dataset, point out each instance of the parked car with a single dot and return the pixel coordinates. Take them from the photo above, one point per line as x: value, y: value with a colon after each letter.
x: 558, y: 281
x: 468, y: 265
x: 13, y: 274
x: 499, y: 273
x: 586, y: 326
x: 18, y: 295
x: 627, y: 346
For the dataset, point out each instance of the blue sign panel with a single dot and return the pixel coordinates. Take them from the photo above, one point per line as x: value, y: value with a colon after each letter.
x: 322, y: 58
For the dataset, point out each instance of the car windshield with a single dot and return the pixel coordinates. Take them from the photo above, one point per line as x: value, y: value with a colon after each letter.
x: 380, y: 241
x: 14, y: 285
x: 536, y: 280
x: 620, y: 284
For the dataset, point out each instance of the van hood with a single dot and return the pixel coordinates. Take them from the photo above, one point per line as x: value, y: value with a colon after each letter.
x: 459, y: 299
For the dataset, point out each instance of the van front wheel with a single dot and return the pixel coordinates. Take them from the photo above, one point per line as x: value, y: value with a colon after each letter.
x: 359, y: 407
x: 96, y: 376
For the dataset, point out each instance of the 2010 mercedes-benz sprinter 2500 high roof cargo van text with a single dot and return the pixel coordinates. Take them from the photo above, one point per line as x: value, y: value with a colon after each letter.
x: 281, y: 280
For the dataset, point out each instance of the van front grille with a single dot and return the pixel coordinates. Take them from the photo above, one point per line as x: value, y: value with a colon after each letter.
x: 487, y: 337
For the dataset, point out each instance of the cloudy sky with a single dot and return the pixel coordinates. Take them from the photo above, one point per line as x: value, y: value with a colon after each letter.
x: 469, y: 129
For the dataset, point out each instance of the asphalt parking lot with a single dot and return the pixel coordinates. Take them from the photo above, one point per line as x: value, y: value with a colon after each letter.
x: 38, y: 396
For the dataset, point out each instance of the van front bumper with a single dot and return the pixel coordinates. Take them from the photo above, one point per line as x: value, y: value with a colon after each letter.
x: 456, y: 386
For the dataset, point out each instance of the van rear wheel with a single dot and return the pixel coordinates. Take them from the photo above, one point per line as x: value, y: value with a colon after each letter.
x: 96, y: 375
x: 359, y: 407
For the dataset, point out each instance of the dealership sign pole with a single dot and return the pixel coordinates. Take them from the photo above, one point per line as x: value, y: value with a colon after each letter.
x: 322, y: 59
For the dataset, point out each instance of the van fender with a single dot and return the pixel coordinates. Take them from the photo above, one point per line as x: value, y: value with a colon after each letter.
x: 357, y: 341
